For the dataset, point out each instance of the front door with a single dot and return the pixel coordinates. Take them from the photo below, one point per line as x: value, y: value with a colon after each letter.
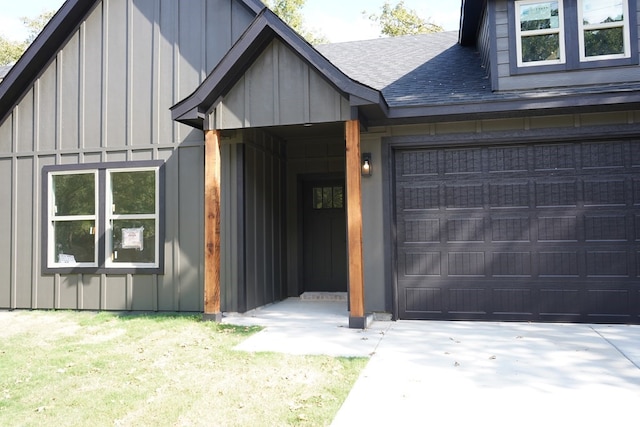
x: 325, y: 236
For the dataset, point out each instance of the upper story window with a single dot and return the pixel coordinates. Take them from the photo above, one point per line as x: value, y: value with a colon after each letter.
x: 103, y: 218
x: 603, y: 29
x: 540, y: 32
x: 572, y: 34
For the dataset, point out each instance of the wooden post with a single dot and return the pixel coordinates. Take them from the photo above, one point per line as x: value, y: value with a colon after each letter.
x: 354, y: 226
x: 212, y: 226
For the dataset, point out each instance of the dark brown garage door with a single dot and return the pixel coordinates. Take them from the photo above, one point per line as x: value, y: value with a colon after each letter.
x: 545, y: 232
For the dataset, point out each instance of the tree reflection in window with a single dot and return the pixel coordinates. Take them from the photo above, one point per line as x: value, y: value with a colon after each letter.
x: 73, y: 219
x: 328, y: 197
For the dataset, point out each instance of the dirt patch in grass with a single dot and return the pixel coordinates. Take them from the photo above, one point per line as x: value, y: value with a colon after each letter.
x: 75, y: 369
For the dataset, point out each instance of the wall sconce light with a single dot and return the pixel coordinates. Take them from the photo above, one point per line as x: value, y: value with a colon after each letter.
x: 366, y: 164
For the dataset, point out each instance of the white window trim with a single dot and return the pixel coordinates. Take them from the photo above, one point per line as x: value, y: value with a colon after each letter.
x: 110, y: 217
x: 559, y: 31
x: 52, y: 217
x: 625, y: 29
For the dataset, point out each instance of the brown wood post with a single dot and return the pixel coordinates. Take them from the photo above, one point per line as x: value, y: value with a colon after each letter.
x: 212, y: 226
x: 357, y: 317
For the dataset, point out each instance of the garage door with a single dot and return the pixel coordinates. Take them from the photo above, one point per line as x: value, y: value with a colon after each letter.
x: 544, y: 232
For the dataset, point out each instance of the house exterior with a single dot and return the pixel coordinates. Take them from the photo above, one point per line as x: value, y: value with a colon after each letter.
x: 200, y: 156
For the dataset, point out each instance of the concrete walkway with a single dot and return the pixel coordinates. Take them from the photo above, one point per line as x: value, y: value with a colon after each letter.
x: 466, y: 373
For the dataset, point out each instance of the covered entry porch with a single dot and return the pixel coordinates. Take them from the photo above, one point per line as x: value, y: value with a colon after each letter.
x: 269, y: 235
x: 272, y: 94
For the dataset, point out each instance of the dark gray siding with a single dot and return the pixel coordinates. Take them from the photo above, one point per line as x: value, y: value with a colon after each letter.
x: 253, y: 243
x: 597, y: 76
x: 484, y: 43
x: 105, y: 97
x: 264, y: 236
x: 280, y: 89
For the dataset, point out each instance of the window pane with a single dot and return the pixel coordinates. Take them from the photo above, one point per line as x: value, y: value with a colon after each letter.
x: 602, y: 11
x: 134, y: 192
x: 74, y: 194
x: 134, y: 241
x: 338, y: 197
x: 604, y: 42
x: 317, y: 198
x: 539, y: 16
x: 327, y: 198
x: 541, y: 48
x: 74, y: 241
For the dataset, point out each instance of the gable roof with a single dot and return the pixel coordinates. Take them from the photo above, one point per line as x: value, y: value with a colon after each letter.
x: 432, y: 77
x: 46, y: 46
x: 266, y: 27
x: 417, y: 70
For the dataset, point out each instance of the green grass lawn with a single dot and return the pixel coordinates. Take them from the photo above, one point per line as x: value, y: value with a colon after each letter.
x: 78, y: 369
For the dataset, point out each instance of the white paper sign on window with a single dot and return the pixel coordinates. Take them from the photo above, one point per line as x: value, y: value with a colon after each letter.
x: 133, y: 238
x: 66, y: 259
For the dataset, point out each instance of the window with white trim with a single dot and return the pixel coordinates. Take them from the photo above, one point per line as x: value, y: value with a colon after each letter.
x: 104, y: 218
x: 539, y: 32
x: 557, y: 35
x: 603, y: 29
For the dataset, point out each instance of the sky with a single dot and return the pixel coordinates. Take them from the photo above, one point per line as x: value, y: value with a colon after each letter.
x: 338, y: 20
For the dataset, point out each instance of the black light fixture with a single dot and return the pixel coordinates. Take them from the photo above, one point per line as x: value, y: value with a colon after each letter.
x: 366, y: 164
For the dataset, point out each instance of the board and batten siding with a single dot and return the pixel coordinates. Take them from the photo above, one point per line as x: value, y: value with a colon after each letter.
x: 253, y: 246
x: 278, y: 89
x: 105, y: 97
x: 595, y: 76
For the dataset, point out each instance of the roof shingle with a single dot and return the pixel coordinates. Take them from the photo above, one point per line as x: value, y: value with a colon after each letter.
x: 414, y: 70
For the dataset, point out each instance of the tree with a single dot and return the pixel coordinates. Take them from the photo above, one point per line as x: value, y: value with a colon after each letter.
x: 35, y: 25
x: 11, y: 51
x: 290, y: 11
x: 400, y: 21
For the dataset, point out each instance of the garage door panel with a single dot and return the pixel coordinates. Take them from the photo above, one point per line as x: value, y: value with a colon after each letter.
x: 557, y: 193
x: 421, y: 264
x: 606, y: 228
x: 511, y: 229
x: 510, y: 195
x: 607, y: 264
x: 605, y: 192
x: 418, y: 163
x: 558, y: 228
x: 555, y: 157
x: 509, y: 159
x: 559, y: 264
x: 511, y: 264
x: 463, y: 161
x: 603, y: 155
x: 464, y: 196
x: 510, y: 301
x: 608, y: 302
x: 465, y: 230
x: 526, y: 232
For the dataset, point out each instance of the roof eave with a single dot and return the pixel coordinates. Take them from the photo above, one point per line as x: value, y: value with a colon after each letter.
x: 41, y: 52
x: 265, y: 28
x: 511, y: 108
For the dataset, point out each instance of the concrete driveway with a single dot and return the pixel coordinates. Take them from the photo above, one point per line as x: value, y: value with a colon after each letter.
x: 466, y: 373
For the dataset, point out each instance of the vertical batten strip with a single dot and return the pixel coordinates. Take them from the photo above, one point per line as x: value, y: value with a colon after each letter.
x: 354, y: 226
x: 212, y: 170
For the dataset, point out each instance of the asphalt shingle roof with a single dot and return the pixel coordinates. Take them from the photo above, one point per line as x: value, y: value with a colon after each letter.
x: 414, y: 70
x: 4, y: 70
x: 434, y: 69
